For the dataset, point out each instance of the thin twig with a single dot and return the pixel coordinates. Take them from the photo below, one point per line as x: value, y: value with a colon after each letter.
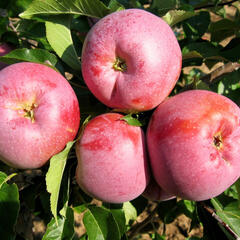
x: 138, y: 226
x: 220, y: 221
x: 215, y: 5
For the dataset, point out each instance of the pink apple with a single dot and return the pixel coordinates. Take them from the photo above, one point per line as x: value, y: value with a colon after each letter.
x: 4, y: 49
x: 39, y: 114
x: 112, y: 164
x: 193, y: 140
x: 131, y: 60
x: 154, y: 192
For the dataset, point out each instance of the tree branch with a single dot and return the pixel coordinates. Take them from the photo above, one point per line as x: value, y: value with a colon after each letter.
x: 220, y: 221
x: 213, y: 5
x: 138, y: 226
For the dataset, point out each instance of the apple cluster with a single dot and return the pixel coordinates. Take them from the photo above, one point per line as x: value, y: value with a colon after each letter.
x: 131, y: 61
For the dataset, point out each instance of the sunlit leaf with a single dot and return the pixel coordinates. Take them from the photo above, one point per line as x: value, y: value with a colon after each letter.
x: 54, y: 176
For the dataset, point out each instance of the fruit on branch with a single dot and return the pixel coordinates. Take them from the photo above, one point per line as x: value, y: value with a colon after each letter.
x: 112, y: 164
x: 39, y: 114
x: 4, y: 49
x: 193, y: 140
x: 131, y: 60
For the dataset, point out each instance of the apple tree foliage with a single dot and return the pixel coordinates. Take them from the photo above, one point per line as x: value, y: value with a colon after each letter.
x: 52, y: 32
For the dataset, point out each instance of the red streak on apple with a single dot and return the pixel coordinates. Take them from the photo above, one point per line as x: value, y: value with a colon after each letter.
x: 39, y: 114
x: 112, y: 164
x: 194, y: 143
x: 131, y: 60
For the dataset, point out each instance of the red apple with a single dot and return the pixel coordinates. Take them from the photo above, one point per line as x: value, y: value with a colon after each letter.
x: 112, y: 164
x: 131, y: 60
x: 193, y: 140
x: 39, y: 114
x: 4, y: 49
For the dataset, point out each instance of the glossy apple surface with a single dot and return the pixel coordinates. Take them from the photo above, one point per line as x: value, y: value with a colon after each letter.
x: 131, y: 60
x: 4, y: 49
x: 39, y: 114
x: 112, y: 164
x: 193, y: 140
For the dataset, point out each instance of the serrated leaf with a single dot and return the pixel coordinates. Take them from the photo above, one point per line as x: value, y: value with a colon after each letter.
x: 129, y: 211
x: 229, y: 213
x: 30, y: 55
x: 54, y: 176
x: 100, y: 224
x: 114, y: 6
x: 62, y: 229
x: 91, y: 8
x: 9, y: 207
x: 175, y: 16
x: 163, y: 6
x: 131, y: 120
x: 58, y: 34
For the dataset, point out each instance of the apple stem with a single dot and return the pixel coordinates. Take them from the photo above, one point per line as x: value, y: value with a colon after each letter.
x: 120, y: 65
x: 29, y: 112
x: 217, y: 141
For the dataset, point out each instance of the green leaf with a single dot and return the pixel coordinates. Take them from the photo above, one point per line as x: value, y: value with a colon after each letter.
x: 58, y: 34
x: 101, y: 224
x: 197, y: 25
x: 9, y: 207
x: 203, y: 49
x: 175, y: 16
x: 229, y: 85
x: 229, y: 212
x: 131, y: 120
x: 129, y: 211
x: 222, y: 29
x: 162, y: 7
x: 30, y: 55
x: 62, y: 229
x: 119, y: 219
x: 91, y: 8
x: 54, y: 176
x: 114, y: 6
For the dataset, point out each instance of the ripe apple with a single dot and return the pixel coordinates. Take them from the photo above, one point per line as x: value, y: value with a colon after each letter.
x: 4, y: 49
x: 193, y: 140
x: 39, y: 114
x: 131, y: 60
x: 112, y: 164
x: 154, y: 192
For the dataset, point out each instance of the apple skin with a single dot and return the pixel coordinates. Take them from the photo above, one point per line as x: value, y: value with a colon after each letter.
x: 154, y: 192
x: 112, y: 163
x: 30, y: 88
x: 4, y: 49
x: 151, y: 60
x: 193, y: 141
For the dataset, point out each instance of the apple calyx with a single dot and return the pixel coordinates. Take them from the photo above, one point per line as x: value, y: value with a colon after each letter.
x: 218, y: 141
x: 120, y: 65
x: 29, y: 112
